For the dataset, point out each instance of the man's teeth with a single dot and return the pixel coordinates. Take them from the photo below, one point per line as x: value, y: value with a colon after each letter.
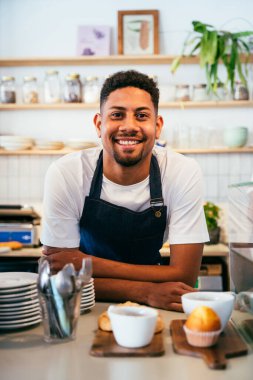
x: 127, y: 142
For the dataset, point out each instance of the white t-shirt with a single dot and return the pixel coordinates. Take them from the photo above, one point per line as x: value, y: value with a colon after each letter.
x: 68, y: 182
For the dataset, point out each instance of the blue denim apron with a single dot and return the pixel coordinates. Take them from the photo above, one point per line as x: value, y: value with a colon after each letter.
x: 117, y: 233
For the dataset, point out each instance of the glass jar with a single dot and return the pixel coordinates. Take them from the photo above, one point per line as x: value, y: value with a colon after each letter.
x: 91, y: 90
x: 72, y: 91
x: 30, y: 90
x: 52, y: 89
x: 200, y: 93
x: 220, y: 93
x: 8, y: 90
x: 182, y: 92
x: 241, y: 92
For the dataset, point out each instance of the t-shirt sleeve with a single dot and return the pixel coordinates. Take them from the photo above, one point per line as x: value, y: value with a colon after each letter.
x: 187, y: 222
x: 60, y: 222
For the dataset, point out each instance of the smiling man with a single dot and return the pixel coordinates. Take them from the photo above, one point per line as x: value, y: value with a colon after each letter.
x: 119, y: 203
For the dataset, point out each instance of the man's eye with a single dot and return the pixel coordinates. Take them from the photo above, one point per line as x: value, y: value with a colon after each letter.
x: 141, y: 116
x: 116, y: 115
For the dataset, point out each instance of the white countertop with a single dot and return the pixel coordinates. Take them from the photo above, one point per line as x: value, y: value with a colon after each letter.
x: 24, y: 356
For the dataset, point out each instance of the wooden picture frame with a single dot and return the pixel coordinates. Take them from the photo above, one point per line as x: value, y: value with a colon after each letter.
x: 138, y: 32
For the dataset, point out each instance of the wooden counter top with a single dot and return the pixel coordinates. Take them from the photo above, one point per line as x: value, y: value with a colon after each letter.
x: 220, y: 250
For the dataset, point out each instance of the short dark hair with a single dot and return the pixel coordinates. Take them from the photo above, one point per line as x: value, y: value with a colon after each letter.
x: 130, y: 78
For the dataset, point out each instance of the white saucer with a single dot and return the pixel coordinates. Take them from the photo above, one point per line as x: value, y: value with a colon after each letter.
x: 19, y: 325
x: 10, y: 280
x: 17, y: 296
x: 18, y: 289
x: 16, y: 317
x: 18, y: 305
x: 23, y: 320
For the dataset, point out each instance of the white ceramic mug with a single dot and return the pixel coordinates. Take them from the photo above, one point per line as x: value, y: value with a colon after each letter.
x: 221, y: 302
x: 245, y: 301
x: 132, y: 326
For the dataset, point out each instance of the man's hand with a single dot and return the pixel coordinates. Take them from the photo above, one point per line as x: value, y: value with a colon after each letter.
x: 167, y: 295
x: 57, y: 259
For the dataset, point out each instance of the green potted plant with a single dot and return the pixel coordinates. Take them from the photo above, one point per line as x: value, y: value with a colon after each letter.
x: 214, y: 46
x: 212, y: 214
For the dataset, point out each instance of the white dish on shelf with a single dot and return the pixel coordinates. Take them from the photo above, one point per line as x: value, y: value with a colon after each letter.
x: 47, y: 144
x: 80, y: 144
x: 16, y: 146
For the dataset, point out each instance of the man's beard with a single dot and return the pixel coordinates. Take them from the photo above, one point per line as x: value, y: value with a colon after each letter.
x: 127, y: 161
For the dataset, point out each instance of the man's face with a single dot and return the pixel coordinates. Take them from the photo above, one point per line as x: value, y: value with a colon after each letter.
x: 128, y: 125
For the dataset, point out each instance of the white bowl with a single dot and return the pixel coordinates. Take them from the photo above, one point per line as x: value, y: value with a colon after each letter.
x: 221, y: 302
x: 80, y: 144
x: 132, y: 326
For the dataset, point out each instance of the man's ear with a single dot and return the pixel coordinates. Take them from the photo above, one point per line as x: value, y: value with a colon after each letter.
x: 97, y: 123
x: 159, y: 126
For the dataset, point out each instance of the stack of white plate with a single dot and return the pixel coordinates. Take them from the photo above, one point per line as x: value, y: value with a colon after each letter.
x: 47, y: 144
x: 16, y: 142
x: 88, y: 297
x: 80, y: 144
x: 19, y: 301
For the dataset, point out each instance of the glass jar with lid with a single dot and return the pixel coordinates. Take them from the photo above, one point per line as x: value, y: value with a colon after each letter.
x: 30, y: 90
x: 72, y: 91
x: 91, y: 90
x: 8, y: 90
x: 52, y: 89
x: 200, y: 93
x: 241, y: 92
x: 182, y: 92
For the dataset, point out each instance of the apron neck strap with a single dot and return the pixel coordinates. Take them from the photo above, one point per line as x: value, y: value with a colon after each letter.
x: 155, y: 183
x: 96, y: 184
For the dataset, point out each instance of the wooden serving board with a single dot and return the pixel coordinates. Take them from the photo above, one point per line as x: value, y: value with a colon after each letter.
x: 104, y: 345
x: 229, y: 345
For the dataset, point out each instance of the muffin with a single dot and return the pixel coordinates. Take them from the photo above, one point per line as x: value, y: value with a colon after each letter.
x: 202, y: 327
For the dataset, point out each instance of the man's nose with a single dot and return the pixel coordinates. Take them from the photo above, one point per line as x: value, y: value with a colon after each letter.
x: 129, y: 124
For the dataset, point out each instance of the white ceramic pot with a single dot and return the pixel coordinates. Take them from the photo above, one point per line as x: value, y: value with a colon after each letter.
x: 132, y: 326
x: 235, y: 137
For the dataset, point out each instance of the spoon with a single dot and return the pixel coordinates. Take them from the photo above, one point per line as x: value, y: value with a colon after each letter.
x: 44, y: 276
x: 65, y: 280
x: 85, y: 272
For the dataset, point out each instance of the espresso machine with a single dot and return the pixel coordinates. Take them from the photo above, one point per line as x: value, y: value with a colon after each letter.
x: 241, y: 236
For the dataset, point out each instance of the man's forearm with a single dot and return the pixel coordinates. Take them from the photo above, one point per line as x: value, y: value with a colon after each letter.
x: 184, y: 267
x: 165, y: 295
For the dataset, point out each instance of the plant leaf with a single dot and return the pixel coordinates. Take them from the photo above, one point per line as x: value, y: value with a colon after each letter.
x: 243, y: 34
x: 175, y: 64
x: 204, y: 49
x: 200, y: 27
x: 239, y: 69
x: 214, y: 76
x: 212, y: 43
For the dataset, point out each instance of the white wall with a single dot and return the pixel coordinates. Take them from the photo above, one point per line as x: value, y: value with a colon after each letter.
x: 31, y: 28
